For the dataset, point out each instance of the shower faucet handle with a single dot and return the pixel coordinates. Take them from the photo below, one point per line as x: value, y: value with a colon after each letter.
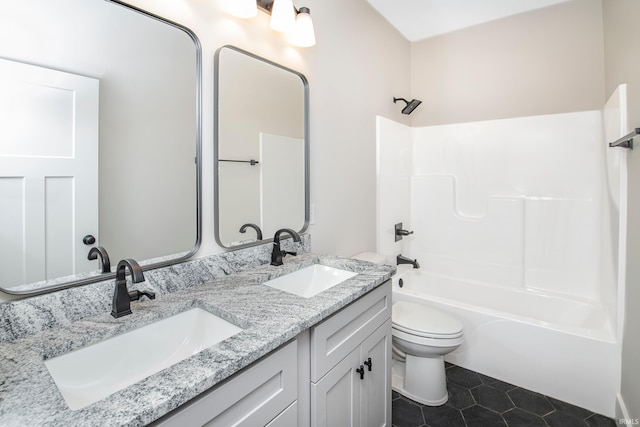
x: 400, y: 232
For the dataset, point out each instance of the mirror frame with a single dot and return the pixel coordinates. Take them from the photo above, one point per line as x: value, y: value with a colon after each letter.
x: 198, y: 161
x: 216, y: 141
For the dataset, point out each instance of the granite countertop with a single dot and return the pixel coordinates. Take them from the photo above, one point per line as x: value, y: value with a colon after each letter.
x: 270, y: 318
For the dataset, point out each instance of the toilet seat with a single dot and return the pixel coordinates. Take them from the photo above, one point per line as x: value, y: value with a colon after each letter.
x: 428, y: 335
x: 425, y: 322
x: 430, y: 344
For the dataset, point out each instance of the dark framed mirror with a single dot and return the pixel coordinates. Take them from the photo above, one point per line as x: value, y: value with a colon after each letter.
x: 261, y: 148
x: 101, y: 124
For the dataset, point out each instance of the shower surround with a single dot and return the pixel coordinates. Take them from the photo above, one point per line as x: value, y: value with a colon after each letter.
x: 516, y: 226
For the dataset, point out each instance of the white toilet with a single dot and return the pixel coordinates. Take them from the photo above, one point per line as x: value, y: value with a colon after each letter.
x: 421, y: 338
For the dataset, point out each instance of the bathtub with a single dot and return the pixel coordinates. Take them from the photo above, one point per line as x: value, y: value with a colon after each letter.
x: 563, y: 348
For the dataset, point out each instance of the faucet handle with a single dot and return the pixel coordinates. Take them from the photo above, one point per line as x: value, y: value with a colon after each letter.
x: 148, y: 294
x: 400, y: 232
x: 137, y: 295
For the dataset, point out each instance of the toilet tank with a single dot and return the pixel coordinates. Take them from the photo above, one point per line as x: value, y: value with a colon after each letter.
x: 373, y: 257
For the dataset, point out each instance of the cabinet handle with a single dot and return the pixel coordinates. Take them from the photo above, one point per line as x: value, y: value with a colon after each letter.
x: 368, y: 363
x: 361, y: 372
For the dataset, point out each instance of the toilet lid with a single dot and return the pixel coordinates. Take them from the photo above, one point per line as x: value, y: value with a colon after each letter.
x: 424, y: 321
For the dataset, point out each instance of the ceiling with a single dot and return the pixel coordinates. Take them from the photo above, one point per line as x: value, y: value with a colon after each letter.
x: 420, y: 19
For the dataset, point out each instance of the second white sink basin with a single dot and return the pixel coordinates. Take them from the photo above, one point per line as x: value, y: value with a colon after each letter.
x: 310, y: 281
x: 89, y: 374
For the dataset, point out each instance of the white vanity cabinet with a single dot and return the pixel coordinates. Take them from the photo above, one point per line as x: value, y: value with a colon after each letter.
x: 338, y: 373
x: 265, y: 393
x: 351, y: 364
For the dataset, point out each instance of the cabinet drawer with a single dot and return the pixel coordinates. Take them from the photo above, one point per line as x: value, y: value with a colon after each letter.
x: 339, y: 334
x: 253, y: 397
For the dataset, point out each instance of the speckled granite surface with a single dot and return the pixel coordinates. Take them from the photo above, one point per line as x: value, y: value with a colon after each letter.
x: 228, y: 285
x: 21, y: 318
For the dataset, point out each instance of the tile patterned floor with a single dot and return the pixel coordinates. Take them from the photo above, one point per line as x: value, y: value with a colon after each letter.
x: 476, y: 400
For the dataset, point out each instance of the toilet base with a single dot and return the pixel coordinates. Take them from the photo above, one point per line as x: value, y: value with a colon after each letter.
x: 427, y: 385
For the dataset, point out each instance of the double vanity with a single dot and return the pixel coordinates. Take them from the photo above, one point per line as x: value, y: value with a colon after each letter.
x: 230, y: 340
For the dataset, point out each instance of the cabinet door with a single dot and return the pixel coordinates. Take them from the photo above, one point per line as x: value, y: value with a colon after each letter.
x: 375, y: 354
x: 250, y: 398
x: 342, y: 332
x: 335, y: 399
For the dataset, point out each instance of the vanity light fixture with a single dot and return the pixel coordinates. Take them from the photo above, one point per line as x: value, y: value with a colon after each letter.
x: 303, y: 34
x: 285, y: 18
x: 283, y: 15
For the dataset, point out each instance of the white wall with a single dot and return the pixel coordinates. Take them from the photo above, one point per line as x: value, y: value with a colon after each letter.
x: 393, y: 183
x: 502, y: 202
x: 358, y: 65
x: 622, y: 51
x: 502, y: 206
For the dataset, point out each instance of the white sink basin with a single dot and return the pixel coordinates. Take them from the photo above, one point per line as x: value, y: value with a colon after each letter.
x: 89, y: 374
x: 310, y: 281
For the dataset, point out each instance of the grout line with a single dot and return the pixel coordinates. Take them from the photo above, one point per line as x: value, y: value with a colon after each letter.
x: 550, y: 404
x: 468, y: 390
x: 464, y: 420
x: 510, y: 399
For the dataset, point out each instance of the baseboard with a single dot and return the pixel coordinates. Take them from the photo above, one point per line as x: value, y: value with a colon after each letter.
x: 621, y: 409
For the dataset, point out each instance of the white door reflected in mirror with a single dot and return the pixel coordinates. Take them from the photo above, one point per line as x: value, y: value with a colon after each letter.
x: 49, y: 172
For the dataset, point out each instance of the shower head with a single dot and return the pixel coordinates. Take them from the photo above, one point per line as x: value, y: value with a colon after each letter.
x: 411, y: 105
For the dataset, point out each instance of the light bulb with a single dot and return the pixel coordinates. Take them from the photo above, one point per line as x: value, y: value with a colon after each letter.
x: 303, y: 34
x: 283, y: 16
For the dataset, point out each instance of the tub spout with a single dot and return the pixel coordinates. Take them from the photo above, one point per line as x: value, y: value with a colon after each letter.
x: 404, y: 260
